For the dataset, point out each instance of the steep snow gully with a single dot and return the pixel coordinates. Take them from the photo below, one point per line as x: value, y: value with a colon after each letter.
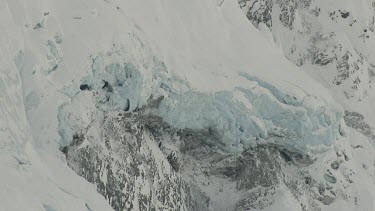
x: 185, y: 105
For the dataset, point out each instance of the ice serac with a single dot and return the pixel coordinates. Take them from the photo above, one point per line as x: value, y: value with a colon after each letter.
x: 245, y: 115
x: 227, y: 93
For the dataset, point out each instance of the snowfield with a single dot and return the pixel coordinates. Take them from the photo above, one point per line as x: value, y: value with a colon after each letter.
x: 184, y: 105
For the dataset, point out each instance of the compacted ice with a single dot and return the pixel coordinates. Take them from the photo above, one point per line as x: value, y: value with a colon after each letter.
x: 258, y: 113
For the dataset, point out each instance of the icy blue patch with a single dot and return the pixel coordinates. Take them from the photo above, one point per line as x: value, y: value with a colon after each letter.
x: 48, y: 207
x: 58, y: 38
x: 269, y: 121
x: 18, y: 60
x: 31, y: 101
x: 281, y: 97
x: 88, y: 207
x: 118, y: 85
x: 53, y: 56
x: 39, y: 25
x: 52, y: 48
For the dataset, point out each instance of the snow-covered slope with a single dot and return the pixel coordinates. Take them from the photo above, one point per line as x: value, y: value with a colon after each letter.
x: 28, y: 180
x: 171, y: 105
x: 331, y: 40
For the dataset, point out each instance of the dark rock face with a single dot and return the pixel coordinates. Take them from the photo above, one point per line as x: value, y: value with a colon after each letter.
x: 128, y: 172
x: 138, y: 162
x: 261, y: 11
x: 249, y: 174
x: 84, y: 87
x: 260, y: 15
x: 357, y: 121
x: 344, y: 14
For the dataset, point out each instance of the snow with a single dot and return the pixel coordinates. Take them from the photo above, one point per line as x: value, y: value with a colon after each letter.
x: 198, y: 67
x: 214, y: 69
x: 27, y: 182
x: 320, y: 28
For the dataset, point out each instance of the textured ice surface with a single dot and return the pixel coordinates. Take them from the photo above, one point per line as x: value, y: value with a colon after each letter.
x: 246, y: 116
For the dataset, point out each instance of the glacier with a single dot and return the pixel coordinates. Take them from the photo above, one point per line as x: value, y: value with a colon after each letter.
x: 258, y: 113
x: 185, y: 105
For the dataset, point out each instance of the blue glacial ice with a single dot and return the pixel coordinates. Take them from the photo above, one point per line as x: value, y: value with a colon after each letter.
x: 242, y: 117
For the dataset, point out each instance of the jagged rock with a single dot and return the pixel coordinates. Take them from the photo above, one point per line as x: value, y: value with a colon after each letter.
x: 357, y: 121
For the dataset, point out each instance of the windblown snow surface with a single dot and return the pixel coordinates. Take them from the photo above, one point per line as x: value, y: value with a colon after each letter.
x: 187, y: 105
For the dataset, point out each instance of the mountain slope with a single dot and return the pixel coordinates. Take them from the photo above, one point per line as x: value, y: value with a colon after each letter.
x: 328, y: 39
x: 175, y: 105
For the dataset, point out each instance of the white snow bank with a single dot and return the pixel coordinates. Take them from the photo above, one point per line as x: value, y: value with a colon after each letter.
x: 27, y: 181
